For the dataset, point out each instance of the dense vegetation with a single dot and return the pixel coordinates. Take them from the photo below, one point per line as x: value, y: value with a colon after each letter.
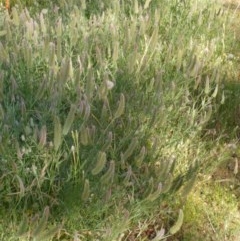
x: 106, y: 109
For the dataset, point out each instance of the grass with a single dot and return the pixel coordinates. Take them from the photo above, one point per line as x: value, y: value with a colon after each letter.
x: 212, y: 210
x: 109, y: 119
x: 216, y: 219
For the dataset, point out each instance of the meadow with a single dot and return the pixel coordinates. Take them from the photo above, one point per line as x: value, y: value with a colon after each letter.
x: 119, y: 120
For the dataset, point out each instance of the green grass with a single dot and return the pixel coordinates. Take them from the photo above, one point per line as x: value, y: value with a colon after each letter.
x: 106, y: 111
x: 211, y: 213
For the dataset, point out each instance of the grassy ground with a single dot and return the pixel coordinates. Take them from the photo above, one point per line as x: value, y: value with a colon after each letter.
x: 212, y: 210
x: 115, y: 126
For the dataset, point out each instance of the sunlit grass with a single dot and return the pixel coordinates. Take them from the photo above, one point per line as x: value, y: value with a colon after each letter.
x: 106, y: 110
